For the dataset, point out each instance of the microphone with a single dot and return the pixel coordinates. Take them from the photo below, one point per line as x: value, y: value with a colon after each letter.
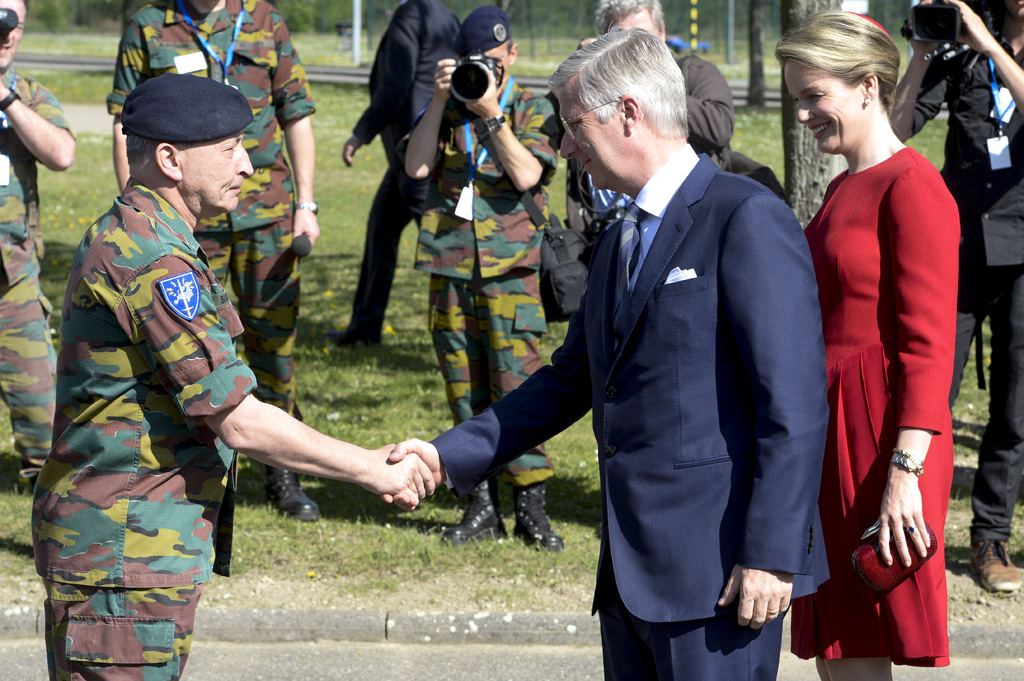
x: 301, y: 246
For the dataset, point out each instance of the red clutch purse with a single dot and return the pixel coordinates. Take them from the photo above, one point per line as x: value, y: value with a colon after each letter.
x: 867, y: 560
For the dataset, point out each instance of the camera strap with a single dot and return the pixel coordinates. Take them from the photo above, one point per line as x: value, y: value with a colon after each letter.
x: 207, y: 47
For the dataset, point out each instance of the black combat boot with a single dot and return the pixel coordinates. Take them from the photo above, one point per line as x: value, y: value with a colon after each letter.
x: 532, y: 520
x: 481, y: 520
x: 285, y: 492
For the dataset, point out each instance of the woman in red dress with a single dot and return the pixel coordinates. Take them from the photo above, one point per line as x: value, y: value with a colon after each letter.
x: 884, y: 245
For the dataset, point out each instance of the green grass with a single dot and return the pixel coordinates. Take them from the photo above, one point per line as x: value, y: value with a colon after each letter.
x: 370, y: 396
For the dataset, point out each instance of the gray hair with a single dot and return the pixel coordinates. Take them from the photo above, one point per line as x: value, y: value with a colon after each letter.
x: 632, y: 62
x: 610, y: 11
x: 140, y: 150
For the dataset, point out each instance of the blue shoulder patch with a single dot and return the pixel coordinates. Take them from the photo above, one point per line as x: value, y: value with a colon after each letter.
x: 181, y: 293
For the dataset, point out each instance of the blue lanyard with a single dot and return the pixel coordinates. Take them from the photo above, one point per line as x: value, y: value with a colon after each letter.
x: 207, y: 47
x: 995, y: 96
x: 3, y: 116
x: 469, y: 136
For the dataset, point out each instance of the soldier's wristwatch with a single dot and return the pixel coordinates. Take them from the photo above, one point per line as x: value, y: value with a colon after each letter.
x: 494, y: 124
x: 311, y: 206
x: 8, y: 100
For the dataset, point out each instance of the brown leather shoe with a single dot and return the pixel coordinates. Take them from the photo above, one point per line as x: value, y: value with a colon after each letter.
x: 993, y: 567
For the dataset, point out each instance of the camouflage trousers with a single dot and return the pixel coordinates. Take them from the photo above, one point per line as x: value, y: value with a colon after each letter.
x: 264, y: 274
x: 486, y: 333
x: 115, y: 634
x: 27, y: 365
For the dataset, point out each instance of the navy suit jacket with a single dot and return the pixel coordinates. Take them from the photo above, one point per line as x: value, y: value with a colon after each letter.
x: 420, y: 34
x: 711, y: 416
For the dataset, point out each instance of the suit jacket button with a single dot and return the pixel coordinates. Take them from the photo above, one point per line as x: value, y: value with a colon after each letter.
x: 611, y: 450
x: 612, y: 392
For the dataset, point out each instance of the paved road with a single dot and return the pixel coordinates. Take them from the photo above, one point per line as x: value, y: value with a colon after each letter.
x: 24, y: 660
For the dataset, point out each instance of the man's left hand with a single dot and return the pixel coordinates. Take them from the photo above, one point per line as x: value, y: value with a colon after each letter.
x: 763, y: 595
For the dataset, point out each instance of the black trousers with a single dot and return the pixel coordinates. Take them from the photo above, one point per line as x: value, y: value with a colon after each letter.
x: 996, y: 293
x: 399, y: 201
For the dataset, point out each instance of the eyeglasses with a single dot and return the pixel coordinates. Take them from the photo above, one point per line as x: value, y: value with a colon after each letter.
x: 571, y: 125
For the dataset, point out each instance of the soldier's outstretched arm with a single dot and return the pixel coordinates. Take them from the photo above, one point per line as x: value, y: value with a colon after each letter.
x: 268, y: 434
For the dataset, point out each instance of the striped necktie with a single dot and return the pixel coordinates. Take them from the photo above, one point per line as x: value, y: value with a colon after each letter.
x: 629, y: 254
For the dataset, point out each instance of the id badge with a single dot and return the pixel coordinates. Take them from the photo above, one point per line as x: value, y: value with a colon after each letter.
x: 5, y: 170
x: 464, y: 208
x: 190, y: 63
x: 999, y: 152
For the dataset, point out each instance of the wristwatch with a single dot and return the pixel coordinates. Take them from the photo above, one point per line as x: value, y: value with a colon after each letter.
x: 8, y: 100
x: 904, y: 460
x: 494, y: 124
x: 311, y: 206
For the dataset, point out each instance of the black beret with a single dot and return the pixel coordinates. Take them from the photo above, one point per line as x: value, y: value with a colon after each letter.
x: 184, y: 108
x: 485, y: 28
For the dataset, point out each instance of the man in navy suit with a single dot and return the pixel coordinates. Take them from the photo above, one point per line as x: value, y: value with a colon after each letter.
x: 698, y: 346
x: 401, y: 83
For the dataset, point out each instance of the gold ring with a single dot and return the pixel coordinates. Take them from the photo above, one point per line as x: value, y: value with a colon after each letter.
x: 771, y: 612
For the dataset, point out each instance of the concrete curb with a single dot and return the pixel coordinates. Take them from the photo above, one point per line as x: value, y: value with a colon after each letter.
x: 378, y: 626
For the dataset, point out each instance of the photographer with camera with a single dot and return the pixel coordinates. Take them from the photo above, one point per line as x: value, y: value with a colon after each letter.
x: 32, y: 130
x: 982, y: 83
x: 487, y: 146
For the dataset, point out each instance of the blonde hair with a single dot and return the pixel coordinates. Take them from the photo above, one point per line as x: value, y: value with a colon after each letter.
x: 848, y: 46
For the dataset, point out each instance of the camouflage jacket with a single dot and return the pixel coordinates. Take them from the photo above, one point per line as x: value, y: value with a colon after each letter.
x: 265, y: 68
x: 501, y: 237
x: 137, y: 490
x: 20, y: 197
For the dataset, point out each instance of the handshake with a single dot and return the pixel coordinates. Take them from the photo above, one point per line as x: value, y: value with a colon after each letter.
x: 407, y: 473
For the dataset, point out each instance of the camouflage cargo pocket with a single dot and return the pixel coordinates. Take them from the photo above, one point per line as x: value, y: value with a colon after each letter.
x: 97, y: 640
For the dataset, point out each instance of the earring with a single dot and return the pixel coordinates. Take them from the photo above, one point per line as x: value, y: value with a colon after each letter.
x: 867, y: 100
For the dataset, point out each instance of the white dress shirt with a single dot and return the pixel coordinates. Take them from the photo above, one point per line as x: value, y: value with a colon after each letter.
x: 655, y: 197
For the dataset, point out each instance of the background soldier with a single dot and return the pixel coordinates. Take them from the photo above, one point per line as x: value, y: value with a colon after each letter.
x: 133, y: 509
x: 401, y: 83
x: 482, y: 251
x: 245, y: 44
x: 32, y: 128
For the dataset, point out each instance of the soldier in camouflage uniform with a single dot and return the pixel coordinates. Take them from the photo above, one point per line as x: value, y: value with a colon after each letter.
x: 32, y: 129
x: 133, y: 507
x: 246, y: 44
x: 482, y: 251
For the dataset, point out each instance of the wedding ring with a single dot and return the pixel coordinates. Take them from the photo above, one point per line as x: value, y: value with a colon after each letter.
x: 773, y: 613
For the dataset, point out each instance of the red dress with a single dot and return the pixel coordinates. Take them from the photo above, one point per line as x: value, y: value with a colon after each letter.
x: 884, y: 245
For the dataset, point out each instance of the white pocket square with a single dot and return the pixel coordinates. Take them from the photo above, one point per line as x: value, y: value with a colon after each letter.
x: 680, y: 275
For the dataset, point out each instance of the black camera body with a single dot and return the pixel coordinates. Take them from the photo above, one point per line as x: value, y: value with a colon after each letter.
x: 941, y: 23
x: 469, y: 80
x: 8, y: 22
x: 938, y: 23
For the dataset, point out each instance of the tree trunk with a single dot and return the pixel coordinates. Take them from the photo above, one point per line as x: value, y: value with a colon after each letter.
x: 755, y: 92
x: 808, y: 171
